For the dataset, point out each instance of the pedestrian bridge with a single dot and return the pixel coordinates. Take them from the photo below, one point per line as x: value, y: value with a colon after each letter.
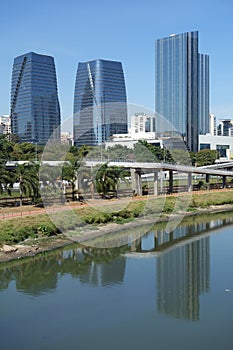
x: 137, y: 169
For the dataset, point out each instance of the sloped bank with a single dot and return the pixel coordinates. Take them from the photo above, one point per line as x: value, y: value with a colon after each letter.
x: 39, y: 234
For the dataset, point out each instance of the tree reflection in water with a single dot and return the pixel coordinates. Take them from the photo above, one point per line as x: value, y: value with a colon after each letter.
x: 40, y: 274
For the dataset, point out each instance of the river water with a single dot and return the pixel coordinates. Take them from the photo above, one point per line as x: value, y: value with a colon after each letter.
x: 163, y: 291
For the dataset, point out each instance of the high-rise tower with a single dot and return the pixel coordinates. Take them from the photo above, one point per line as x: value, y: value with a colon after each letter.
x: 203, y: 94
x: 100, y: 106
x: 179, y: 90
x: 35, y: 111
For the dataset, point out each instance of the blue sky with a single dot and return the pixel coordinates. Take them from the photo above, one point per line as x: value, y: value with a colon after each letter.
x: 121, y: 30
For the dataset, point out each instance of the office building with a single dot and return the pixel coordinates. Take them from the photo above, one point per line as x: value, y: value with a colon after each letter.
x: 225, y: 127
x: 35, y: 111
x: 66, y: 138
x: 213, y: 125
x: 5, y: 125
x: 100, y: 106
x: 203, y: 94
x: 141, y: 123
x: 181, y: 82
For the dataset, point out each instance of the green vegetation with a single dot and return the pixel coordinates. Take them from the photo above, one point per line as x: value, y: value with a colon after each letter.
x: 36, y: 226
x: 17, y: 230
x: 105, y: 180
x: 206, y: 157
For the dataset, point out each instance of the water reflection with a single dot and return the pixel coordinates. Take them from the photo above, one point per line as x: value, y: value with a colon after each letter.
x: 182, y: 274
x: 159, y: 240
x: 182, y: 265
x: 40, y: 274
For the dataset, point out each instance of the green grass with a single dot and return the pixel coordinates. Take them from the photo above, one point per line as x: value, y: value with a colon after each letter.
x: 15, y: 230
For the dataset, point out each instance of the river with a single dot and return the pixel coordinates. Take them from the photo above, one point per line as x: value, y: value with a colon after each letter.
x: 162, y: 291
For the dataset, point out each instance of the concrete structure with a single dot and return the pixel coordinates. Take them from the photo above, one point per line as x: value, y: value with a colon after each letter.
x: 66, y: 138
x: 141, y: 123
x: 225, y: 127
x: 137, y: 169
x: 222, y: 144
x: 129, y: 140
x: 158, y: 169
x: 213, y: 125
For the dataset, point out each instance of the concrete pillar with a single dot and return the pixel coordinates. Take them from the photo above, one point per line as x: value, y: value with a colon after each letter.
x: 136, y: 245
x: 156, y: 183
x: 136, y: 181
x: 155, y: 241
x: 224, y: 181
x: 207, y: 179
x: 161, y: 181
x: 170, y: 181
x: 77, y: 185
x: 171, y: 236
x: 189, y: 182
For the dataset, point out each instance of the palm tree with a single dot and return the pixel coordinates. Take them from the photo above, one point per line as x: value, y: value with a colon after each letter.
x: 87, y: 180
x: 70, y: 173
x: 27, y: 176
x: 108, y: 178
x: 6, y: 181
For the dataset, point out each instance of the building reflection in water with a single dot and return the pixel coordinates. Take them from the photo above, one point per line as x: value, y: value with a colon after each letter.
x: 182, y: 268
x: 182, y: 274
x: 104, y: 274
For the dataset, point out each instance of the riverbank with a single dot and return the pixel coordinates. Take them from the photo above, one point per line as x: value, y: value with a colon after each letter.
x: 43, y: 235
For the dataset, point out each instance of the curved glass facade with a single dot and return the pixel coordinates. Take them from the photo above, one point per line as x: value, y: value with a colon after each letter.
x: 35, y: 110
x: 177, y: 85
x: 100, y: 106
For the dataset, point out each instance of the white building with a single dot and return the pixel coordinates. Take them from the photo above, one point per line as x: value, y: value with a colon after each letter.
x: 66, y: 138
x: 142, y: 123
x: 213, y: 125
x: 225, y: 127
x: 5, y: 124
x: 129, y: 140
x: 222, y: 144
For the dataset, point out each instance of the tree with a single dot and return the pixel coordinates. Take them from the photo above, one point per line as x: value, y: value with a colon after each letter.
x: 87, y: 179
x: 5, y: 149
x: 79, y: 152
x: 108, y: 178
x: 6, y: 181
x: 119, y: 152
x: 181, y: 156
x: 27, y: 176
x: 70, y: 173
x: 206, y: 157
x: 143, y: 152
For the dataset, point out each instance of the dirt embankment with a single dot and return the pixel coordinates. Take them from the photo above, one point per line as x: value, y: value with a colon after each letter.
x: 33, y: 247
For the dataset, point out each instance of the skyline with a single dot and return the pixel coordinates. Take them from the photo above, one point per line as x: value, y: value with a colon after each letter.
x: 126, y: 32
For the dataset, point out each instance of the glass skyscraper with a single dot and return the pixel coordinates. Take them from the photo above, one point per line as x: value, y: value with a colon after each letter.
x: 203, y: 94
x: 35, y: 110
x: 100, y: 104
x: 180, y: 93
